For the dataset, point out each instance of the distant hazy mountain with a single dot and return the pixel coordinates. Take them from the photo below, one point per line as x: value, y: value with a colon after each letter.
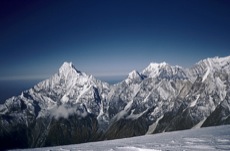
x: 72, y: 107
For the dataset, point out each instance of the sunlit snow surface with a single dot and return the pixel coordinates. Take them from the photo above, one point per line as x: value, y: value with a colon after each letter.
x: 211, y: 138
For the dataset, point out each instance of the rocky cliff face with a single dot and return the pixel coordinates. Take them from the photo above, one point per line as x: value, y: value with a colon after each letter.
x: 73, y: 107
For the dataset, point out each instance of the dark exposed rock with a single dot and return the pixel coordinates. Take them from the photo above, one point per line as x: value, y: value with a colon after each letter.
x: 221, y: 115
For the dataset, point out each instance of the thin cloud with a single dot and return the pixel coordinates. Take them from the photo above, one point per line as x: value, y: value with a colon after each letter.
x: 64, y: 111
x: 24, y: 77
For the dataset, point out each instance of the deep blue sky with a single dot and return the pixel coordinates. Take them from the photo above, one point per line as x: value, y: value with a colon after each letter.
x: 109, y: 37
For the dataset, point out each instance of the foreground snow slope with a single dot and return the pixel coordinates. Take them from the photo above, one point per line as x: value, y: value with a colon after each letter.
x: 211, y: 138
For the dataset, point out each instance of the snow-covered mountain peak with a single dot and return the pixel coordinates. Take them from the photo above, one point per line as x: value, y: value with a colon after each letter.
x: 215, y: 62
x: 70, y: 74
x: 68, y: 67
x: 154, y: 65
x: 134, y: 74
x: 152, y: 69
x: 67, y: 82
x: 164, y: 70
x: 209, y: 66
x: 69, y: 87
x: 223, y: 59
x: 156, y: 100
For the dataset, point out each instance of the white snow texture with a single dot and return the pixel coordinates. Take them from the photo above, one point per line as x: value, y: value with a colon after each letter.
x: 204, y: 139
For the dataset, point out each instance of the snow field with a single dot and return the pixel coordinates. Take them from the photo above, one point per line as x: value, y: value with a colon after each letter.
x: 204, y: 139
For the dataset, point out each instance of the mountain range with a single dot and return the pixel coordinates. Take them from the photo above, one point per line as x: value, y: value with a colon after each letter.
x: 72, y: 107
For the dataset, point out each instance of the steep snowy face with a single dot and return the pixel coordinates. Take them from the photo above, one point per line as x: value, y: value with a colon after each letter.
x: 207, y: 67
x: 209, y: 87
x: 69, y: 96
x: 210, y: 79
x: 65, y: 81
x: 214, y: 73
x: 135, y: 77
x: 153, y: 91
x: 172, y: 95
x: 68, y: 86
